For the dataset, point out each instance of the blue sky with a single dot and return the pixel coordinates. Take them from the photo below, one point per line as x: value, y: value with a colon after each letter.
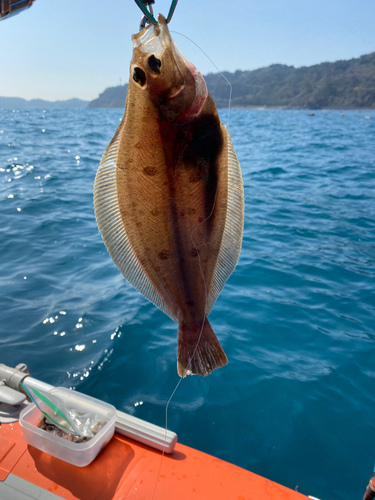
x: 59, y: 50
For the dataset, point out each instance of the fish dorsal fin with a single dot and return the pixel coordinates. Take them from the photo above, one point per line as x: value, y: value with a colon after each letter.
x: 110, y: 223
x: 232, y: 237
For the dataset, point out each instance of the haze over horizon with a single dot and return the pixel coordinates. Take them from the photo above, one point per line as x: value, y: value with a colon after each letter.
x: 55, y: 53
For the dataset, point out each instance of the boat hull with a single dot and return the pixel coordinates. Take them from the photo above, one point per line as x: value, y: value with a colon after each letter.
x: 129, y: 470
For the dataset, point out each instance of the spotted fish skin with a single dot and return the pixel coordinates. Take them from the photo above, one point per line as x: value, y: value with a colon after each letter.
x: 168, y: 195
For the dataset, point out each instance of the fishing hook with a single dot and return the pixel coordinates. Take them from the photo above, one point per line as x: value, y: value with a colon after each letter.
x: 148, y: 15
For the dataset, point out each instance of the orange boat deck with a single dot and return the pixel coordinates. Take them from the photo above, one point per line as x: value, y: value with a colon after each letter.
x: 128, y: 470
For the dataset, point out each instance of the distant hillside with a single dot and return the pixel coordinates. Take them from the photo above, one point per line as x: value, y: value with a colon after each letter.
x: 339, y: 85
x: 113, y: 97
x: 18, y: 103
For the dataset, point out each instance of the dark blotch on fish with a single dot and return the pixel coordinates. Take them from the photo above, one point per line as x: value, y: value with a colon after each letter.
x: 195, y: 177
x: 204, y: 150
x: 206, y: 141
x: 156, y: 211
x: 164, y: 254
x: 150, y: 171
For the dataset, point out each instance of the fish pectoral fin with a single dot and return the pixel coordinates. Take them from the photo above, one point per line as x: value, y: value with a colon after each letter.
x: 198, y: 350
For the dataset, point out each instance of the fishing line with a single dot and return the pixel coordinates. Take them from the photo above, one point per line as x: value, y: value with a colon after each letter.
x: 196, y: 345
x: 220, y: 73
x: 201, y: 270
x: 165, y: 437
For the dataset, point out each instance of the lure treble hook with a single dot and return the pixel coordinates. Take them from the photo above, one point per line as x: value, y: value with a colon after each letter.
x: 148, y: 15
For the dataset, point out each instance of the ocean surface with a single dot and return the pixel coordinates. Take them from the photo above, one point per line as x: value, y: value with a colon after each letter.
x: 296, y: 403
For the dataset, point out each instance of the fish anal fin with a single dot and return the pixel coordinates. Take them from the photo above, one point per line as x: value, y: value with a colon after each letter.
x: 232, y: 236
x: 201, y: 359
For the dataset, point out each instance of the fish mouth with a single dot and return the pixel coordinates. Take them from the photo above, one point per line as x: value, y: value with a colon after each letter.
x: 153, y: 39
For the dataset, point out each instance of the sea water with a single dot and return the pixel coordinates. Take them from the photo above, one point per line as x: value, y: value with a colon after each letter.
x: 296, y: 403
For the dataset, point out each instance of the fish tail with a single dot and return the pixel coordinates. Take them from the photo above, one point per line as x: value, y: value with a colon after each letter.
x: 198, y: 350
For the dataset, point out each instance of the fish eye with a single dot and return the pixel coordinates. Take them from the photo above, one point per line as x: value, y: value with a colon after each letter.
x: 154, y: 63
x: 139, y: 76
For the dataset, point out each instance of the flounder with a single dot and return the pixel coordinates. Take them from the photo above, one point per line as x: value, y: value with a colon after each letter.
x: 168, y: 195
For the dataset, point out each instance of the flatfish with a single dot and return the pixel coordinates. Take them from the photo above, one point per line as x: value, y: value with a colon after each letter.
x: 168, y: 195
